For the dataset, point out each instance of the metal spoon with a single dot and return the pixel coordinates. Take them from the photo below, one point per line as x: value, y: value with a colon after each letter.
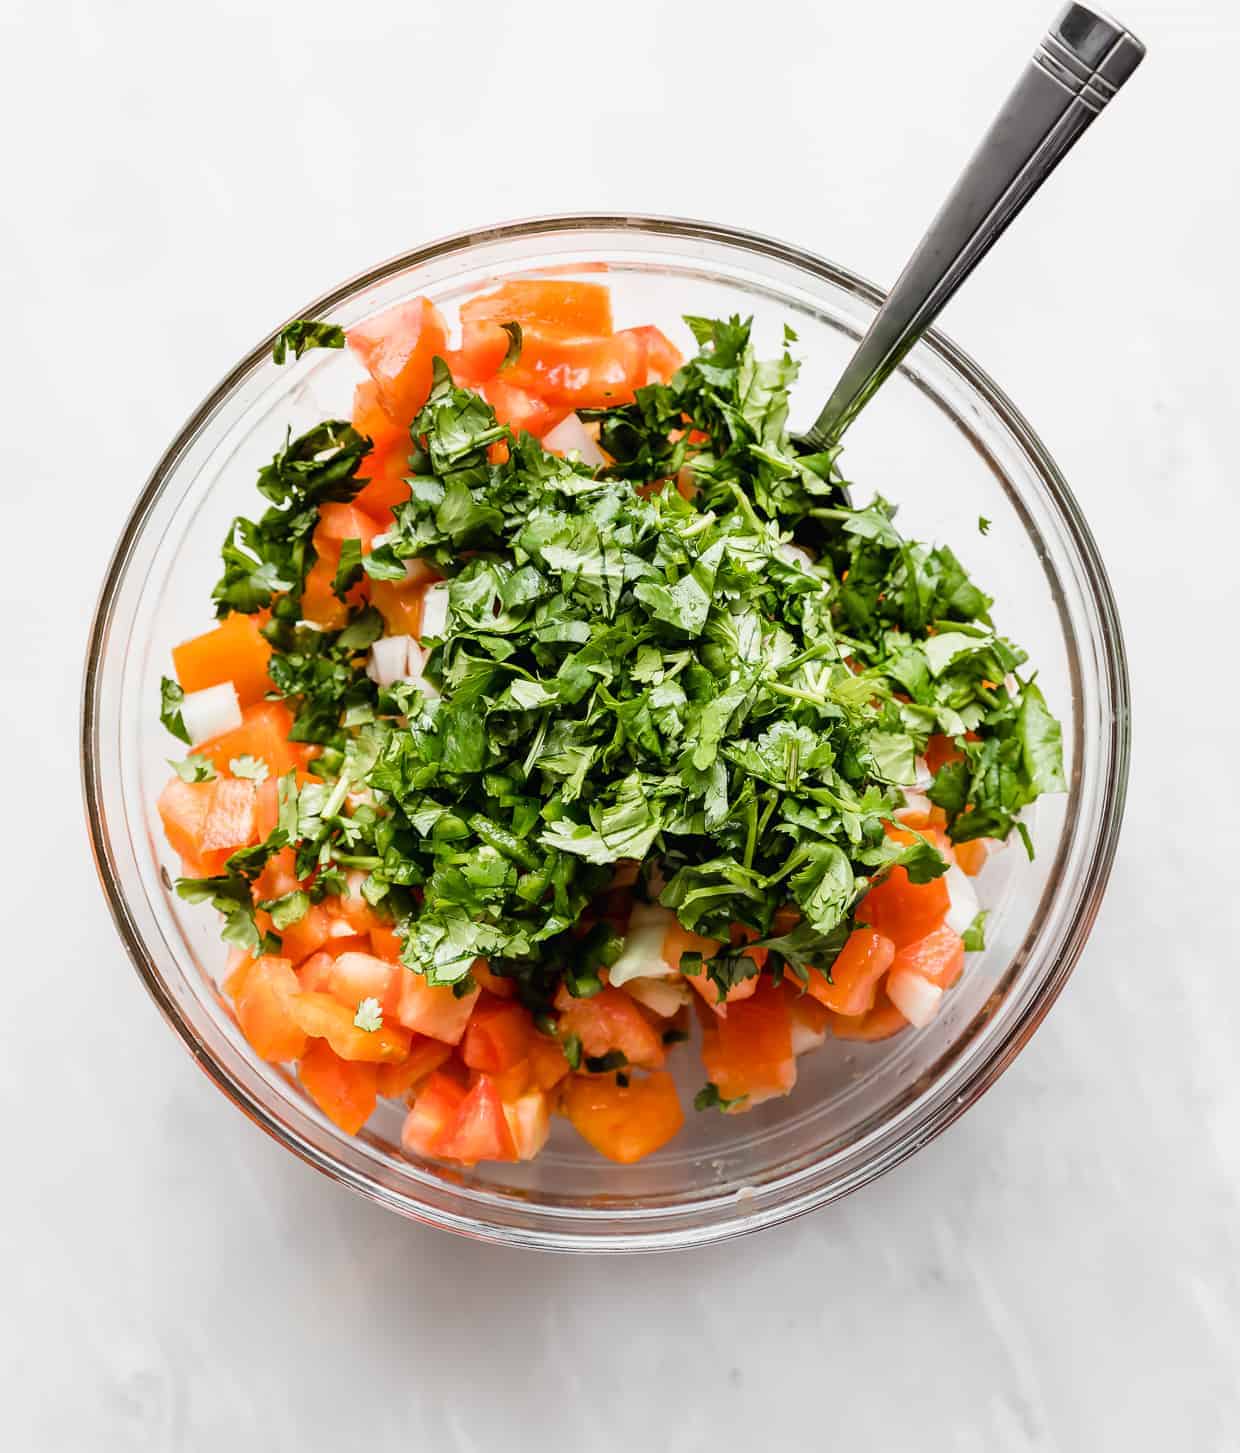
x: 1081, y: 62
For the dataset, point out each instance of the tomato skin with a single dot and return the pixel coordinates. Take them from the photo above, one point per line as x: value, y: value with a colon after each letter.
x: 498, y: 1035
x: 183, y: 808
x: 624, y: 1122
x: 432, y: 1115
x: 358, y: 976
x: 608, y: 1021
x: 939, y: 957
x: 855, y: 974
x: 344, y: 1090
x: 397, y: 349
x: 266, y: 1010
x: 234, y: 651
x: 582, y: 308
x: 749, y: 1054
x: 480, y: 1130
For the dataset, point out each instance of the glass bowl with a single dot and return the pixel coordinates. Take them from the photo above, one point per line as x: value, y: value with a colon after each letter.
x: 944, y: 442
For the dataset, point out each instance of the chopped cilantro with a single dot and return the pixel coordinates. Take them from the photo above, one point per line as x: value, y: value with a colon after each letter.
x: 369, y: 1016
x: 170, y: 698
x: 194, y: 769
x: 974, y: 937
x: 983, y: 524
x: 303, y: 334
x: 709, y: 1098
x: 252, y: 767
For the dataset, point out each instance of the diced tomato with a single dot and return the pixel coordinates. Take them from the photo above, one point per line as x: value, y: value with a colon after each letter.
x: 663, y: 358
x: 320, y: 605
x: 400, y: 605
x: 386, y: 474
x: 940, y: 750
x: 483, y: 348
x: 480, y: 1130
x: 810, y: 1020
x: 307, y: 936
x: 580, y: 372
x: 229, y: 823
x: 492, y: 983
x: 315, y: 973
x: 432, y: 1115
x: 855, y: 974
x: 433, y: 1009
x: 938, y: 957
x: 183, y: 808
x: 371, y: 419
x: 324, y: 1017
x: 529, y: 1120
x: 266, y: 1010
x: 358, y: 976
x: 881, y: 1022
x: 498, y: 1035
x: 263, y: 733
x: 971, y: 856
x: 547, y: 1063
x: 624, y: 1122
x: 385, y: 942
x: 397, y: 349
x: 514, y: 1081
x: 425, y: 1057
x: 340, y: 522
x: 679, y: 940
x: 522, y: 410
x: 749, y: 1055
x: 901, y: 910
x: 234, y: 651
x: 576, y: 307
x: 344, y: 1090
x: 607, y: 1021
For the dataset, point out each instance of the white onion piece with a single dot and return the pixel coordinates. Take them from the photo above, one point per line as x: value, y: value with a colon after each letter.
x: 642, y: 955
x: 570, y: 436
x: 212, y: 711
x: 804, y: 1038
x: 663, y: 997
x: 795, y: 555
x: 389, y: 659
x: 434, y: 610
x: 916, y: 998
x: 964, y: 899
x: 922, y: 775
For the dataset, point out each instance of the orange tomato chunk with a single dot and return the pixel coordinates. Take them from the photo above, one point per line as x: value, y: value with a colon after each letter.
x: 344, y: 1090
x: 624, y: 1122
x: 853, y: 983
x: 234, y: 651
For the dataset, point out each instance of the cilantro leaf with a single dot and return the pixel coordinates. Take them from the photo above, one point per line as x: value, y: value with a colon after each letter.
x: 170, y: 698
x: 303, y: 334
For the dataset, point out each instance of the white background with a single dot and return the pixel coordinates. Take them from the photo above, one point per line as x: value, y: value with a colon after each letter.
x: 1060, y: 1270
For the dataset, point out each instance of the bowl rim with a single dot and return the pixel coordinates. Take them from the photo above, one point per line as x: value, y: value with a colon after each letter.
x: 1095, y: 870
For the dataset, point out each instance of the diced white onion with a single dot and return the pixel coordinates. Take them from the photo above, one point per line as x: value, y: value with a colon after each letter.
x: 964, y: 899
x: 435, y: 610
x: 663, y: 997
x: 795, y: 555
x: 389, y: 659
x: 916, y: 998
x: 804, y: 1038
x: 570, y: 436
x: 642, y: 956
x: 922, y: 775
x: 212, y: 711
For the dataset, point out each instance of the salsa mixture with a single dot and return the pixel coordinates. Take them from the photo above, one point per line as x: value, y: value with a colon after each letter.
x: 560, y: 702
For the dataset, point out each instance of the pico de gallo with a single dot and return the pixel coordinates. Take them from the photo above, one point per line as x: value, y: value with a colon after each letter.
x: 563, y: 715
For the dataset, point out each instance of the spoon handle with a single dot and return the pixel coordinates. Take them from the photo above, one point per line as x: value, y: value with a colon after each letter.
x: 1081, y: 63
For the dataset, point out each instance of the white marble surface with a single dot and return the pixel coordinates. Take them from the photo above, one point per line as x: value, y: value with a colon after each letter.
x: 1059, y: 1271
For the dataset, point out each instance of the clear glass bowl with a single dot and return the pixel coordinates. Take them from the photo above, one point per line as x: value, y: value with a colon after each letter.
x: 944, y: 442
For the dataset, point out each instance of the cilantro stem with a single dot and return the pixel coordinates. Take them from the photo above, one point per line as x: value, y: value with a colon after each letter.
x: 751, y: 835
x: 797, y: 693
x: 357, y: 860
